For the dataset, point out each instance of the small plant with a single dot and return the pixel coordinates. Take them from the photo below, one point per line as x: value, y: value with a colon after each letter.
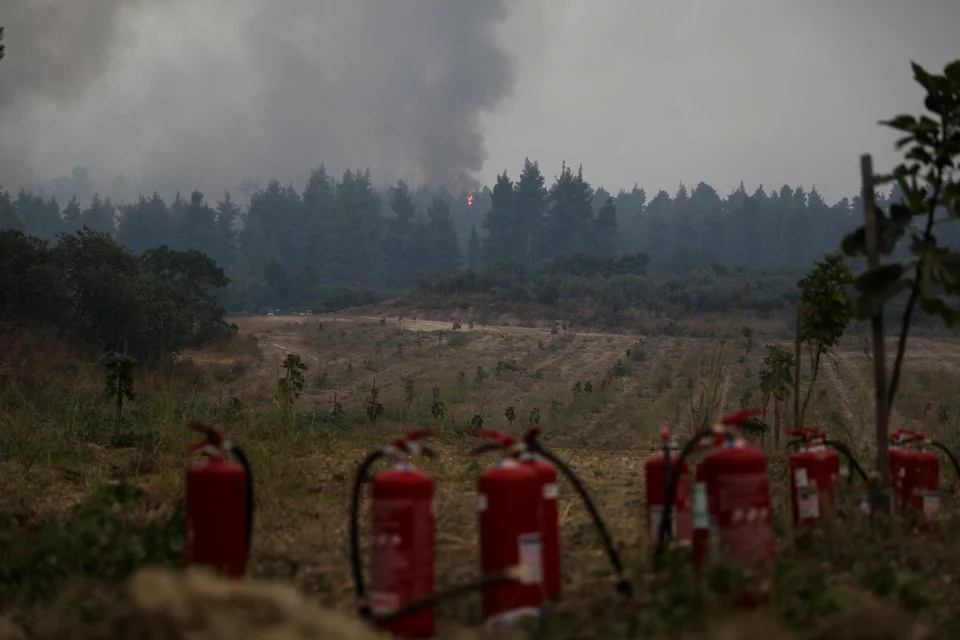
x: 471, y: 325
x: 409, y: 391
x: 555, y: 329
x: 383, y: 323
x: 321, y: 380
x: 337, y: 410
x: 343, y: 334
x: 374, y: 407
x: 399, y: 351
x: 776, y: 381
x: 456, y: 325
x: 588, y: 387
x: 119, y: 384
x: 619, y: 369
x: 378, y: 348
x: 510, y: 414
x: 480, y: 376
x: 826, y: 312
x: 534, y: 419
x: 577, y: 390
x: 476, y: 421
x: 437, y: 410
x: 461, y: 378
x: 290, y: 382
x: 540, y: 344
x: 320, y: 327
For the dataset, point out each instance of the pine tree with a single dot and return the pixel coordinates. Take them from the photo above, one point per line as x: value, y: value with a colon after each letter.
x: 443, y: 250
x: 225, y: 233
x: 473, y: 252
x: 605, y: 227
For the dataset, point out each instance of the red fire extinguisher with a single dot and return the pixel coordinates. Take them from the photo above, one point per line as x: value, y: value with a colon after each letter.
x: 507, y: 503
x: 549, y: 526
x: 402, y: 540
x: 915, y: 477
x: 656, y: 470
x: 731, y: 497
x: 219, y: 504
x: 814, y: 470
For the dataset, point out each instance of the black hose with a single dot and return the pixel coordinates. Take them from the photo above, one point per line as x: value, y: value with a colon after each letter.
x: 363, y: 607
x: 953, y: 459
x: 245, y: 463
x: 854, y: 465
x: 666, y: 516
x: 623, y: 585
x: 437, y: 596
x: 671, y: 493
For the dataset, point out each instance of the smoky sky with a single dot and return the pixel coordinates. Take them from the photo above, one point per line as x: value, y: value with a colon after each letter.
x: 211, y: 91
x: 205, y: 93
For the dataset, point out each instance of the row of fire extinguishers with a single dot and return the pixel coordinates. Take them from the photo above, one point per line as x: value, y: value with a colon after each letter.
x: 727, y: 513
x: 517, y: 514
x: 518, y: 529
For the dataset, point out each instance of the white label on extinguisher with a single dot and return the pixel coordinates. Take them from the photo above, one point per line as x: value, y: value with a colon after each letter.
x: 481, y: 502
x: 550, y: 491
x: 383, y: 603
x: 656, y: 516
x: 531, y: 558
x: 931, y: 504
x: 808, y: 504
x: 800, y: 475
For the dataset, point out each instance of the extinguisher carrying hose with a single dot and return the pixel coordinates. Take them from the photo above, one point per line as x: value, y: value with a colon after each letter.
x: 214, y: 439
x: 355, y: 562
x: 623, y: 585
x: 406, y: 445
x: 673, y: 478
x: 904, y: 436
x: 718, y: 434
x: 807, y: 435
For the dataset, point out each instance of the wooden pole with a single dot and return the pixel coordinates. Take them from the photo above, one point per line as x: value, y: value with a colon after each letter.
x: 797, y: 368
x: 876, y: 324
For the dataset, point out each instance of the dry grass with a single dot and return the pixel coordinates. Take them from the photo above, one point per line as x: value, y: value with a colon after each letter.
x: 56, y: 451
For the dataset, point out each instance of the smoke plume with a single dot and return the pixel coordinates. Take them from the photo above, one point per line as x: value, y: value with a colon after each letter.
x: 177, y: 93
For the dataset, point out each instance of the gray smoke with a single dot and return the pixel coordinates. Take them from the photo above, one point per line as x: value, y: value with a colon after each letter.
x: 204, y: 93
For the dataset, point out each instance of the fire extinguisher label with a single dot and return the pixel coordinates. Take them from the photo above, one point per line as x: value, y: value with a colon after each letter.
x: 800, y: 476
x: 550, y: 491
x: 383, y: 603
x: 531, y: 558
x: 481, y: 502
x: 656, y: 517
x: 931, y: 504
x: 808, y: 504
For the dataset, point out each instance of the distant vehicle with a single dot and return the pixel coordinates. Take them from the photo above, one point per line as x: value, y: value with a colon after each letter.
x: 270, y: 313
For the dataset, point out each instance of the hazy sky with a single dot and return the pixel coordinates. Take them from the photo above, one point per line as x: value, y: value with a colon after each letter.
x: 208, y: 92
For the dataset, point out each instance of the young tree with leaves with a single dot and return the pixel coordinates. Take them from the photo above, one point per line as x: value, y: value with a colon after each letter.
x: 120, y: 382
x: 776, y: 381
x: 929, y: 276
x: 826, y: 312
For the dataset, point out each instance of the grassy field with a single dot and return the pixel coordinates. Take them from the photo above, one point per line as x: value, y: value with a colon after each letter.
x: 80, y: 510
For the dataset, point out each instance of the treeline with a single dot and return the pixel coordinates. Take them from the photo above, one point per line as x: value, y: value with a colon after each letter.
x: 610, y: 285
x: 337, y: 237
x: 91, y: 289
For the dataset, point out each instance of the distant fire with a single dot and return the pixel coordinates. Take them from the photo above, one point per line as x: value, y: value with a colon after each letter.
x: 469, y: 201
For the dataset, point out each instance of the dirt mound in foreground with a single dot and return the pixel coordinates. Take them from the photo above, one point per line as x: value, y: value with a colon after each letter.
x: 165, y: 606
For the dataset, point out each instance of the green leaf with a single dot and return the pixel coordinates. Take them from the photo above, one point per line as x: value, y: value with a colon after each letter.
x: 855, y: 242
x: 936, y: 307
x: 901, y: 123
x: 878, y: 280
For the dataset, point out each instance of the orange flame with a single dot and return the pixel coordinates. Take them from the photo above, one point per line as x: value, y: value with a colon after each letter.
x: 469, y: 201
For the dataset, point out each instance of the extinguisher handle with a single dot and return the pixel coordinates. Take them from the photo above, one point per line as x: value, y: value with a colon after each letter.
x: 531, y: 436
x: 212, y: 436
x: 502, y: 439
x: 404, y: 442
x: 739, y: 417
x: 806, y: 433
x: 485, y: 448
